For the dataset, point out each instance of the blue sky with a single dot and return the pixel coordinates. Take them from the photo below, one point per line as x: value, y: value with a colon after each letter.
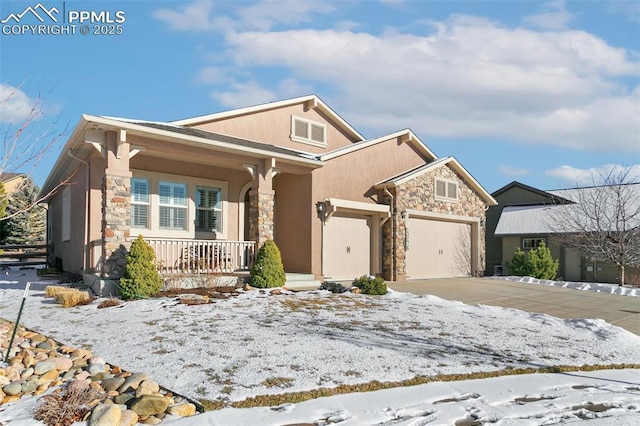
x: 546, y: 93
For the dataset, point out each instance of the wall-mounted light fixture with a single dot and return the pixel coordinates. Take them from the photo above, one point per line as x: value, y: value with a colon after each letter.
x: 320, y: 207
x: 404, y: 214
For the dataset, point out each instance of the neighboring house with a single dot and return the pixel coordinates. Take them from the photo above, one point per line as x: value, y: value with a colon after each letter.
x: 205, y: 191
x: 12, y: 182
x: 524, y: 218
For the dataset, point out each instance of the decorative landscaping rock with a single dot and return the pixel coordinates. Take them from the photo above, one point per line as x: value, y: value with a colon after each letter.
x: 13, y: 388
x: 149, y: 405
x: 132, y: 382
x: 193, y: 299
x: 105, y: 415
x: 147, y: 387
x: 128, y: 418
x: 184, y: 409
x: 39, y: 364
x: 44, y: 366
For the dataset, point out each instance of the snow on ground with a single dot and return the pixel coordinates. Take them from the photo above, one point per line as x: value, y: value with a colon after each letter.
x: 596, y: 287
x: 259, y: 344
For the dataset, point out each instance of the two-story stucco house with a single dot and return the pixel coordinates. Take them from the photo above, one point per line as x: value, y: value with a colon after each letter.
x: 205, y: 191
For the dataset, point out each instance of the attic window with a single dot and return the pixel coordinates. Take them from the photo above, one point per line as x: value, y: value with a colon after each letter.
x: 446, y: 190
x: 307, y: 131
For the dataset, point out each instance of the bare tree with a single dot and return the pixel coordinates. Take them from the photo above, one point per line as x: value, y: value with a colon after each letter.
x: 26, y: 139
x: 603, y: 223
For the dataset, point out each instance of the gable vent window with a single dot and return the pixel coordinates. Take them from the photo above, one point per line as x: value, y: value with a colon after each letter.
x: 310, y: 132
x: 446, y: 190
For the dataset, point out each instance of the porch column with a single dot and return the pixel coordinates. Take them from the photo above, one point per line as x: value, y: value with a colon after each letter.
x: 116, y: 204
x: 262, y: 202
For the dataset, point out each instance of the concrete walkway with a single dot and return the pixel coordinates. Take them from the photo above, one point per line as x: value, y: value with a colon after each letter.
x: 623, y: 311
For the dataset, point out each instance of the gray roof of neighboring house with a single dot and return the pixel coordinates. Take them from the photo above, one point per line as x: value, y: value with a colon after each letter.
x: 520, y: 220
x: 539, y: 219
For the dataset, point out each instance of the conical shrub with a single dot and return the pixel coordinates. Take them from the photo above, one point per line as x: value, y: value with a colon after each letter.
x: 268, y: 270
x: 140, y: 278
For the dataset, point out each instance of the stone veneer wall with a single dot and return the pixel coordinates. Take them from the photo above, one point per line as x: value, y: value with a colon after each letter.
x: 116, y: 224
x: 261, y: 219
x: 418, y: 194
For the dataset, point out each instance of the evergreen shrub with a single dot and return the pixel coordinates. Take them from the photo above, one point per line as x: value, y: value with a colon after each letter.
x: 268, y: 270
x: 140, y: 278
x: 369, y: 284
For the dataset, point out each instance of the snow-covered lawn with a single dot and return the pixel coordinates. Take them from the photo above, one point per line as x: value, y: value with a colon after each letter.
x: 259, y: 344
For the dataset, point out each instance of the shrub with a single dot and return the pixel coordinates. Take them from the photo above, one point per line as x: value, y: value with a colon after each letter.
x: 519, y: 265
x: 140, y: 278
x: 268, y: 271
x: 537, y: 263
x: 369, y: 284
x: 542, y: 264
x: 67, y: 408
x: 333, y: 287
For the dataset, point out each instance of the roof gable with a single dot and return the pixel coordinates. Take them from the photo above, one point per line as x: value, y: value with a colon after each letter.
x: 405, y: 135
x: 517, y: 193
x: 446, y: 161
x: 309, y: 101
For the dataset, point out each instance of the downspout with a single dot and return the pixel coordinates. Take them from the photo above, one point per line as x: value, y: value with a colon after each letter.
x: 393, y: 237
x: 86, y: 211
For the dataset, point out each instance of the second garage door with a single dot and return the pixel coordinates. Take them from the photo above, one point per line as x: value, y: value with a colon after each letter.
x: 346, y: 247
x: 438, y: 249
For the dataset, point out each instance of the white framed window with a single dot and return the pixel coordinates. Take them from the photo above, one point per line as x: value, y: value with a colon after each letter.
x: 446, y: 189
x: 208, y: 209
x: 140, y: 203
x: 531, y: 243
x: 309, y: 132
x: 172, y: 205
x: 66, y: 214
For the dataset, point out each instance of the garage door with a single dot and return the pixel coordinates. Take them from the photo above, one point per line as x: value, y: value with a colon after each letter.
x: 346, y: 247
x: 438, y: 249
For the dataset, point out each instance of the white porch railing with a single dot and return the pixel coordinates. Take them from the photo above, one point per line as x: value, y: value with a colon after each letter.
x: 202, y: 256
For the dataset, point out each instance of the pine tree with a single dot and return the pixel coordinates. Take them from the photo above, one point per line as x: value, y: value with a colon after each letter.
x: 519, y: 265
x: 25, y: 225
x: 542, y: 264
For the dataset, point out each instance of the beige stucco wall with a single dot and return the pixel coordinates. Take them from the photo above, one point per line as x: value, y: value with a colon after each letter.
x: 72, y: 251
x: 11, y: 185
x: 294, y: 219
x: 274, y: 127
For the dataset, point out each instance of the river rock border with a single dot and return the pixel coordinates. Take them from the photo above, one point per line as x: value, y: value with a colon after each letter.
x: 38, y: 364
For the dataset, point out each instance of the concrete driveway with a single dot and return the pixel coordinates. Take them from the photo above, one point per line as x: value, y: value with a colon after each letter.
x: 623, y: 311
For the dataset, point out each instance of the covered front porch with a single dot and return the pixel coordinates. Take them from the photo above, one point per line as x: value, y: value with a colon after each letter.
x: 178, y: 257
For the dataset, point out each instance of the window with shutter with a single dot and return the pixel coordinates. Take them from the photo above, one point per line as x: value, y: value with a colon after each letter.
x: 139, y: 203
x: 446, y: 189
x: 208, y: 209
x: 309, y: 132
x: 173, y: 205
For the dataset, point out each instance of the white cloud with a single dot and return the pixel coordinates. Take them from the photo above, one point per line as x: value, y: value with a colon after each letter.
x: 593, y: 175
x: 470, y: 77
x: 212, y: 75
x: 196, y: 16
x: 200, y: 15
x: 15, y: 105
x: 554, y: 16
x: 244, y: 94
x: 292, y: 88
x: 265, y: 14
x: 512, y: 171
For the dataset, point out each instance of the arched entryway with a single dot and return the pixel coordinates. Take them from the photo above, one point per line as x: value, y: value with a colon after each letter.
x: 243, y: 213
